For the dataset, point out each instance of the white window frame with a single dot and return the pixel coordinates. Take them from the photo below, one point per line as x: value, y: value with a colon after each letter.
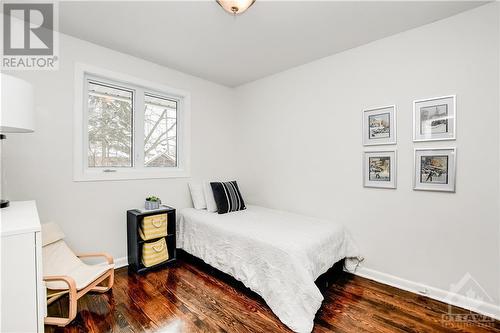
x: 81, y: 171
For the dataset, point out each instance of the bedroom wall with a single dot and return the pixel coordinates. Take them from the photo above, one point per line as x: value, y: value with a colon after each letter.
x: 301, y: 150
x: 39, y: 166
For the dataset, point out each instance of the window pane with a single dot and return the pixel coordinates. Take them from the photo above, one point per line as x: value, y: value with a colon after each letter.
x: 109, y: 126
x: 160, y: 132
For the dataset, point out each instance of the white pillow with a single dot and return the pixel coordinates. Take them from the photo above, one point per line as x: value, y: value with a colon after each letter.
x: 209, y: 197
x: 197, y: 195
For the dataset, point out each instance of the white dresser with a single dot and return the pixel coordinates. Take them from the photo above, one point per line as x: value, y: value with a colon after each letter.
x: 22, y: 292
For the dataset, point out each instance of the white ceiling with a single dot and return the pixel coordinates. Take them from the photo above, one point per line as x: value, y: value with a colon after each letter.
x: 199, y: 38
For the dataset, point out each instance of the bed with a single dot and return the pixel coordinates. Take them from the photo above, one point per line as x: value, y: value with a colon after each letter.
x: 276, y: 254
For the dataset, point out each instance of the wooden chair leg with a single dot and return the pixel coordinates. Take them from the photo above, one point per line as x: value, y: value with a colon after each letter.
x: 62, y: 321
x: 111, y: 279
x: 109, y: 284
x: 73, y: 302
x: 74, y: 295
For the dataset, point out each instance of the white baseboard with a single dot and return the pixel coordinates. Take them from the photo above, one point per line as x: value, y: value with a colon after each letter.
x: 121, y: 262
x: 484, y: 308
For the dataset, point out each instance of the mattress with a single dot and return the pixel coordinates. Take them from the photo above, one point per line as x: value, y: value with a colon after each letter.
x: 276, y: 254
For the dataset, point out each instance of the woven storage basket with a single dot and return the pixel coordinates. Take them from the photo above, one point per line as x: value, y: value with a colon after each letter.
x: 154, y: 226
x: 154, y: 253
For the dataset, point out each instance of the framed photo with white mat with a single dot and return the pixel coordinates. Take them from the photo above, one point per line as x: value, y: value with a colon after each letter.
x: 434, y: 119
x: 379, y: 168
x: 435, y: 169
x: 379, y: 126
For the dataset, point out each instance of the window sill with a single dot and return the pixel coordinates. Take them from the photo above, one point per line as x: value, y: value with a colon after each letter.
x: 99, y: 175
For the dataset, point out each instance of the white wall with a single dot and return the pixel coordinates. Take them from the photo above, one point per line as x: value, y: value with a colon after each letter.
x: 93, y: 214
x: 301, y: 148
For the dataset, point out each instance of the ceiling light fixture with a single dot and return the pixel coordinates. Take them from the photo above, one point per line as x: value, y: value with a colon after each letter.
x: 235, y: 6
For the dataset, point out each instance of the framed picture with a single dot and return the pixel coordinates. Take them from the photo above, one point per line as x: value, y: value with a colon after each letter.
x: 379, y: 126
x: 435, y: 169
x: 434, y: 119
x: 379, y: 169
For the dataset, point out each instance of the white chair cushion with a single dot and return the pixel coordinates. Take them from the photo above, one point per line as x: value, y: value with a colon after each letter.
x: 51, y: 233
x: 58, y: 259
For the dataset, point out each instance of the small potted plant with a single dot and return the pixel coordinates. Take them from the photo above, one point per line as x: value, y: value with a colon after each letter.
x: 152, y: 202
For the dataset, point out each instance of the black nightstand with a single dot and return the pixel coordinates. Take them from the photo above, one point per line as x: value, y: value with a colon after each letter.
x: 135, y: 242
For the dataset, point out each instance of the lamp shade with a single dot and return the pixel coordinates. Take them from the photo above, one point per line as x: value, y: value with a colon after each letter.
x: 17, y: 112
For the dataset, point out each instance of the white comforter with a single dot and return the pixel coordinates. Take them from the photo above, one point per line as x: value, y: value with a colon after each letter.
x: 278, y: 255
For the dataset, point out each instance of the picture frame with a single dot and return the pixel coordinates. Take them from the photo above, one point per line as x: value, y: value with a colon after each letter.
x: 435, y: 169
x: 379, y: 126
x: 380, y: 168
x: 434, y: 119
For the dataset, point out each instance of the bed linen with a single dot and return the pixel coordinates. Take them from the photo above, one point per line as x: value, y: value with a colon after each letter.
x: 276, y: 254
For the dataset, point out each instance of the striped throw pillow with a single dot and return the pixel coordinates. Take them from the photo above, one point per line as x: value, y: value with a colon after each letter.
x: 227, y: 197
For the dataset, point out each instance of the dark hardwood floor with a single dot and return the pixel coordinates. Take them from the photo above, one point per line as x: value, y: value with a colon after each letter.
x: 189, y: 298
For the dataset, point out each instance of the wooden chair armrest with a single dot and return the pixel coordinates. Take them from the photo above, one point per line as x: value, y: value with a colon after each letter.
x: 108, y: 257
x: 67, y: 279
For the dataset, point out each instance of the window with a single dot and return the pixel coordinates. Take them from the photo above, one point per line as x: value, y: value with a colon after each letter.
x: 109, y: 126
x: 160, y: 132
x: 126, y: 128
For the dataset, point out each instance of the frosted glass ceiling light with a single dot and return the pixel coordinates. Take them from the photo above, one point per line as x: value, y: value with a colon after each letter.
x: 235, y: 6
